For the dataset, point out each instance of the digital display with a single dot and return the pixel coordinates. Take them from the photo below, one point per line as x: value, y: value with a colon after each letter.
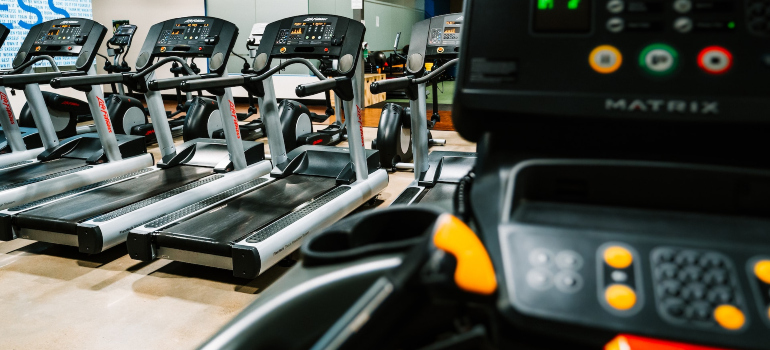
x: 562, y: 16
x: 191, y: 25
x: 321, y: 23
x: 65, y: 25
x: 296, y: 31
x: 453, y: 23
x: 451, y: 30
x: 53, y: 32
x: 177, y: 31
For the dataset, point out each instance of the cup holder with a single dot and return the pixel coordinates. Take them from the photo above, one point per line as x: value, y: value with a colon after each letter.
x: 368, y: 234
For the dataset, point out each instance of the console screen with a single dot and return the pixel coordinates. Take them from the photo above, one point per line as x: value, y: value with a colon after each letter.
x: 562, y: 16
x: 59, y: 34
x: 308, y: 31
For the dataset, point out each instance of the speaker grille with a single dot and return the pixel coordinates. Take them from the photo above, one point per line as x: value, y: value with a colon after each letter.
x: 19, y: 58
x: 415, y: 63
x: 346, y: 63
x: 82, y: 59
x: 217, y: 60
x: 260, y: 62
x: 141, y: 61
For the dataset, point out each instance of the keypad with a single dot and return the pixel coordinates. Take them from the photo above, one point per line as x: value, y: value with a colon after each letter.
x: 691, y: 284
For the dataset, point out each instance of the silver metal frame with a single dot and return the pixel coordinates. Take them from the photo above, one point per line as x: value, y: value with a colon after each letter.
x: 159, y: 120
x: 354, y: 124
x: 40, y: 114
x: 9, y: 124
x: 268, y: 110
x: 419, y: 133
x: 98, y: 107
x: 231, y: 128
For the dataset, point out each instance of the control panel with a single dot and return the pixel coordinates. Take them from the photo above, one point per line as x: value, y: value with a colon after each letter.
x: 610, y: 263
x: 678, y: 60
x: 123, y: 35
x: 433, y: 38
x: 312, y: 37
x: 65, y: 37
x: 207, y: 37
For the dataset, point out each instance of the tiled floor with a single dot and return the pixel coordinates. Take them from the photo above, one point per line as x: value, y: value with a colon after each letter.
x: 52, y: 297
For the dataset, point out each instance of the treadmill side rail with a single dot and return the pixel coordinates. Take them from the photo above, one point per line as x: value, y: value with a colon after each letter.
x: 42, y: 189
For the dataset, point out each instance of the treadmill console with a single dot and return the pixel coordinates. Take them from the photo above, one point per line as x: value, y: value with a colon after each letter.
x: 442, y: 40
x: 684, y: 60
x: 124, y: 35
x: 312, y: 37
x: 66, y: 37
x: 207, y: 37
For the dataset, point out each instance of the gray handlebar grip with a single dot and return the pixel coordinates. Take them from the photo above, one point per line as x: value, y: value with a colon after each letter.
x: 315, y: 87
x: 381, y: 86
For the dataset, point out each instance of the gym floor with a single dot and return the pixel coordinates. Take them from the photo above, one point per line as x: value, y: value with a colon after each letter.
x: 51, y: 296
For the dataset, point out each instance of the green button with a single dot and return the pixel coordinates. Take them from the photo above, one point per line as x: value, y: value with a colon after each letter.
x: 659, y: 59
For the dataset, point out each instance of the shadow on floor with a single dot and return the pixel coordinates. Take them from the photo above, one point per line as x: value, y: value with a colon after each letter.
x: 47, y: 260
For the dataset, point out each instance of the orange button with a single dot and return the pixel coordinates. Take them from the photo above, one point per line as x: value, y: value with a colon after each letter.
x: 729, y: 317
x: 762, y: 271
x: 620, y: 297
x: 618, y: 257
x: 605, y: 59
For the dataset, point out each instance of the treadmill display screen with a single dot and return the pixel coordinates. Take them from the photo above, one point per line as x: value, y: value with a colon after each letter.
x: 59, y: 34
x: 308, y: 30
x: 561, y: 16
x: 191, y: 32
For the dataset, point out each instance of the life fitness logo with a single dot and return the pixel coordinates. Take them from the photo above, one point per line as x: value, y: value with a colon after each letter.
x: 7, y: 105
x: 105, y: 115
x: 235, y: 120
x: 360, y: 123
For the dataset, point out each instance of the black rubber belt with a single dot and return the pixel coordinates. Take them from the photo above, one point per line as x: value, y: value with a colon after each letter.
x: 278, y: 225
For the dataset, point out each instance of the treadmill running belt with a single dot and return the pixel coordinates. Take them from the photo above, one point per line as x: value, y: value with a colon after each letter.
x: 214, y: 231
x: 442, y: 195
x: 64, y: 217
x: 13, y: 176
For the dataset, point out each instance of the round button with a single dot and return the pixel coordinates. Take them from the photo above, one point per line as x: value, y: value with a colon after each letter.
x: 615, y: 6
x: 540, y: 279
x: 715, y: 60
x: 619, y: 276
x: 682, y: 6
x: 762, y: 271
x: 568, y: 281
x: 683, y: 25
x: 569, y: 260
x: 605, y: 59
x: 729, y: 317
x: 620, y: 297
x: 658, y: 59
x: 618, y: 257
x: 540, y: 257
x: 616, y: 25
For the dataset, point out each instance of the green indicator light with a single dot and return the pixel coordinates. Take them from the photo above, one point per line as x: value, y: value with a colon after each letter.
x: 545, y: 4
x: 573, y: 4
x: 731, y: 25
x: 659, y: 59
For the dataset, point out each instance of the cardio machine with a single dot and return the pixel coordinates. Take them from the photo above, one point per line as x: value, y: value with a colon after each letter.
x: 622, y: 208
x: 98, y: 217
x: 66, y: 112
x: 436, y: 174
x: 251, y: 229
x: 31, y: 174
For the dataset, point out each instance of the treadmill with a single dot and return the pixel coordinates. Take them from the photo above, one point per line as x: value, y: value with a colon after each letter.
x: 249, y: 231
x: 436, y: 174
x: 60, y: 166
x: 95, y: 218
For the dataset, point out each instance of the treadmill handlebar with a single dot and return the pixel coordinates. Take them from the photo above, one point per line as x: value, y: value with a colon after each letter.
x: 315, y: 87
x: 381, y: 86
x: 65, y: 82
x: 35, y: 78
x: 171, y: 83
x: 194, y: 84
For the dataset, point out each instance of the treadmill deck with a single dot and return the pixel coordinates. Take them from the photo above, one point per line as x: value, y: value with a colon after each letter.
x: 64, y: 217
x: 214, y: 231
x: 15, y: 177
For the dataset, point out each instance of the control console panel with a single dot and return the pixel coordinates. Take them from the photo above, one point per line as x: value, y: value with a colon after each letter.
x: 679, y: 60
x: 67, y: 37
x: 207, y: 37
x: 434, y: 38
x: 312, y: 37
x: 123, y: 35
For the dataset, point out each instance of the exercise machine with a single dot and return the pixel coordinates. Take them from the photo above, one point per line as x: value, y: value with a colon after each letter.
x: 98, y: 217
x: 436, y: 174
x: 59, y: 166
x: 249, y: 230
x: 622, y: 208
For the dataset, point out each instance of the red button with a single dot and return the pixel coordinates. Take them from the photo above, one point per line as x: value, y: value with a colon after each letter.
x: 69, y: 48
x: 715, y: 60
x: 326, y: 49
x: 200, y: 48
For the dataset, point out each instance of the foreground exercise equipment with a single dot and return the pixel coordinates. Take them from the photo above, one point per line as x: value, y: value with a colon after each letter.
x: 253, y: 227
x: 622, y: 208
x: 97, y: 217
x: 82, y: 160
x: 436, y: 174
